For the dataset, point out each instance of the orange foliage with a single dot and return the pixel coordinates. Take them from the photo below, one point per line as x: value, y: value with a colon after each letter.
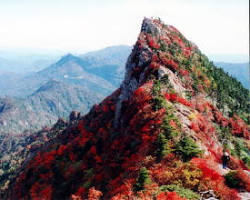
x: 94, y: 194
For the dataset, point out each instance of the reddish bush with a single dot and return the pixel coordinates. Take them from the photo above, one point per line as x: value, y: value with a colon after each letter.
x: 61, y: 150
x: 187, y: 52
x: 167, y: 96
x: 245, y: 179
x: 239, y: 127
x: 235, y: 163
x: 141, y: 96
x: 169, y: 196
x: 184, y: 101
x: 79, y: 194
x: 183, y: 72
x: 170, y: 63
x: 39, y: 192
x: 155, y: 58
x: 46, y: 193
x: 213, y: 180
x: 154, y: 66
x: 175, y: 98
x: 152, y: 43
x: 93, y: 150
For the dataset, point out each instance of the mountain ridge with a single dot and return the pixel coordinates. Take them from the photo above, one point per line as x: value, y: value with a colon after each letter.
x: 43, y: 107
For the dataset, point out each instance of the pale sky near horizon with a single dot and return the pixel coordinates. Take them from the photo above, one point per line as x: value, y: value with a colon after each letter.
x: 216, y: 26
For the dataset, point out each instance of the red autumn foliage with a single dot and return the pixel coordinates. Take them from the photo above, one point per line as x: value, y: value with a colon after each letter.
x: 141, y: 96
x: 239, y: 127
x: 155, y: 58
x: 187, y: 52
x: 93, y: 150
x: 79, y: 194
x: 167, y: 96
x: 169, y: 63
x: 165, y: 40
x: 184, y: 101
x: 213, y: 180
x: 98, y: 159
x: 46, y: 193
x: 124, y: 189
x: 183, y: 72
x: 220, y: 118
x: 245, y: 179
x: 40, y: 192
x: 235, y: 163
x: 207, y: 172
x: 169, y: 196
x: 49, y: 157
x: 46, y: 176
x: 152, y: 43
x: 61, y: 150
x: 179, y: 41
x: 154, y: 66
x: 195, y: 127
x: 175, y: 98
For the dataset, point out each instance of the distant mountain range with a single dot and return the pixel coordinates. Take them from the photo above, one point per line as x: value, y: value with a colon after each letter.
x: 72, y: 83
x: 52, y: 100
x: 240, y: 71
x: 101, y: 71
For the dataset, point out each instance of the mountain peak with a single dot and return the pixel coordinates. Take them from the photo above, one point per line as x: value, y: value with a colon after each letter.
x: 154, y: 55
x: 48, y: 85
x: 150, y: 25
x: 157, y: 47
x: 68, y: 57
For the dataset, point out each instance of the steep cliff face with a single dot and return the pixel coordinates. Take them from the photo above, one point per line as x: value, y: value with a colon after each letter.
x: 161, y: 135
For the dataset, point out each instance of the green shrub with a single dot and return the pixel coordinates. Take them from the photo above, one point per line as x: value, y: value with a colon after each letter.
x: 158, y: 102
x: 187, y: 148
x: 156, y: 88
x: 162, y: 147
x: 142, y: 180
x: 232, y: 180
x: 169, y: 131
x: 162, y: 46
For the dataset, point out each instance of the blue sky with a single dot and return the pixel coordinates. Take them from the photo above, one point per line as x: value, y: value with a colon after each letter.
x: 216, y: 26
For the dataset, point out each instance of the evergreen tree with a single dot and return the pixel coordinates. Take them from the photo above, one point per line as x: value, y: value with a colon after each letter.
x: 187, y: 148
x: 161, y: 147
x: 142, y: 180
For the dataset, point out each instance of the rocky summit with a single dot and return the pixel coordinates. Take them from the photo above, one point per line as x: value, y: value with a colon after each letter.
x: 162, y: 135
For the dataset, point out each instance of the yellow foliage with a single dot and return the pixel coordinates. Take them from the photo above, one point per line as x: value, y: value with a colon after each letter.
x: 192, y: 116
x: 191, y: 178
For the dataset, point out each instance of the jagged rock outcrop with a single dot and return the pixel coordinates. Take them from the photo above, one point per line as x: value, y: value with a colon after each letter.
x: 161, y: 135
x: 74, y: 115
